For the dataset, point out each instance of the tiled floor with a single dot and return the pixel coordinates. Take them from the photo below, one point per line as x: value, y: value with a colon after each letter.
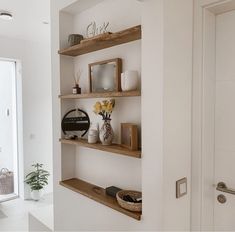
x: 14, y: 213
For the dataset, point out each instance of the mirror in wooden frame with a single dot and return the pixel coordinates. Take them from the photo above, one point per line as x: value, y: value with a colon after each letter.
x: 105, y: 76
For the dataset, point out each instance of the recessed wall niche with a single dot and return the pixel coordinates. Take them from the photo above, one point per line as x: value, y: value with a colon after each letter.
x: 102, y: 168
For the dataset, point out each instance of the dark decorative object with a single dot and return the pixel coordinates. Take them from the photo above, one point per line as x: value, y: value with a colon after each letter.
x: 129, y: 136
x: 131, y: 199
x: 112, y: 191
x: 74, y: 39
x: 105, y: 76
x: 76, y: 89
x: 74, y: 121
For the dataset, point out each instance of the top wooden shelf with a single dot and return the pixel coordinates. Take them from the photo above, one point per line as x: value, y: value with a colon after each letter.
x: 121, y: 37
x: 102, y: 95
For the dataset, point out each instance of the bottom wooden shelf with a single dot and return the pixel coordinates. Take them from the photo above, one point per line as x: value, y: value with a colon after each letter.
x: 97, y: 194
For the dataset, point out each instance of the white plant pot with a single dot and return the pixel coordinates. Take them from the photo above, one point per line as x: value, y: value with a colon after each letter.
x: 36, y: 195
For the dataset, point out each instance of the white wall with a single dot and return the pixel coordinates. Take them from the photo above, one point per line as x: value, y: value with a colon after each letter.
x: 178, y: 31
x: 152, y: 113
x: 35, y: 143
x: 166, y: 86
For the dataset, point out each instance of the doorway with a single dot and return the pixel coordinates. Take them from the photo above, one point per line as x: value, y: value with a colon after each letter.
x: 213, y: 123
x: 8, y: 136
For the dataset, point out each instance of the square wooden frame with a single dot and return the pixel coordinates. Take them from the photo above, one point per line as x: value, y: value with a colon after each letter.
x: 118, y: 62
x: 133, y: 130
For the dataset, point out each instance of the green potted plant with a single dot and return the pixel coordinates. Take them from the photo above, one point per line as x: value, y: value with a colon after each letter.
x: 37, y: 180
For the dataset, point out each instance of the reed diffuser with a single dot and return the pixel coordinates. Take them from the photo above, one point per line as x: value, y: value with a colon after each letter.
x: 76, y: 88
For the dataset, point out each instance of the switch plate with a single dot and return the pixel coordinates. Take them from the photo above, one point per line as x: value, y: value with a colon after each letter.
x: 181, y: 187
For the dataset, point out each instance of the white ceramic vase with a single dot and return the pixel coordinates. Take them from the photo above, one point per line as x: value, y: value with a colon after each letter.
x: 129, y: 80
x: 36, y: 195
x: 106, y: 133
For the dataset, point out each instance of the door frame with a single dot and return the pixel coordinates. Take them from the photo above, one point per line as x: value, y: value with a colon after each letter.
x: 203, y: 106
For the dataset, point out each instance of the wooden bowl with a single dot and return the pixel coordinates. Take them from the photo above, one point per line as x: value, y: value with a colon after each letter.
x: 131, y: 206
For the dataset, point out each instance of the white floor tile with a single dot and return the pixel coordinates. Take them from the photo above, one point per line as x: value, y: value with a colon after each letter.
x: 15, y: 213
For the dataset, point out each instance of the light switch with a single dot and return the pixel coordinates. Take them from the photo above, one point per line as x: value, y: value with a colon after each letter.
x: 181, y: 187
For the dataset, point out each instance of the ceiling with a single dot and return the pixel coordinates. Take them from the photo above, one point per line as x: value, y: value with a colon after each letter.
x: 28, y: 18
x: 80, y: 5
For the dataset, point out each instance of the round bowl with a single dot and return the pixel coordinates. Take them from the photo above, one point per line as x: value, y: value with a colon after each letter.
x: 131, y: 206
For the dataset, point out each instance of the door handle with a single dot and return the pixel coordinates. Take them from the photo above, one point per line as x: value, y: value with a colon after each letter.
x: 222, y: 187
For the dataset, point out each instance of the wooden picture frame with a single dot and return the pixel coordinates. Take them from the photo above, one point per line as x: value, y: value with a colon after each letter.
x: 129, y: 136
x: 115, y: 81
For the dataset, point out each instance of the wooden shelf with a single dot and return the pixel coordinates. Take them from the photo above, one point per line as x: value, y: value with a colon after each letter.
x: 97, y: 194
x: 114, y: 148
x: 107, y: 41
x: 102, y: 95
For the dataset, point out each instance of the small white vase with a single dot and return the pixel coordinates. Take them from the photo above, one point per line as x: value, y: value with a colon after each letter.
x: 129, y: 80
x: 36, y: 195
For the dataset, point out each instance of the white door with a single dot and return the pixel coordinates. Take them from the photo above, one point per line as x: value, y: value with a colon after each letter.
x: 8, y: 123
x: 213, y: 117
x: 224, y: 153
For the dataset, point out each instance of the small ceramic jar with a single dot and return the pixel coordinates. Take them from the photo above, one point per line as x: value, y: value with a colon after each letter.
x: 92, y: 139
x: 93, y: 136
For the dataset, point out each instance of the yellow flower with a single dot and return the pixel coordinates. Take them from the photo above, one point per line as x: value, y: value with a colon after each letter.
x: 104, y: 108
x: 97, y: 107
x: 105, y: 102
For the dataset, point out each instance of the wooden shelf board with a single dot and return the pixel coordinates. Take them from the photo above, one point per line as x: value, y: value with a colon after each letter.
x: 97, y: 194
x: 114, y: 148
x: 102, y: 95
x: 125, y: 36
